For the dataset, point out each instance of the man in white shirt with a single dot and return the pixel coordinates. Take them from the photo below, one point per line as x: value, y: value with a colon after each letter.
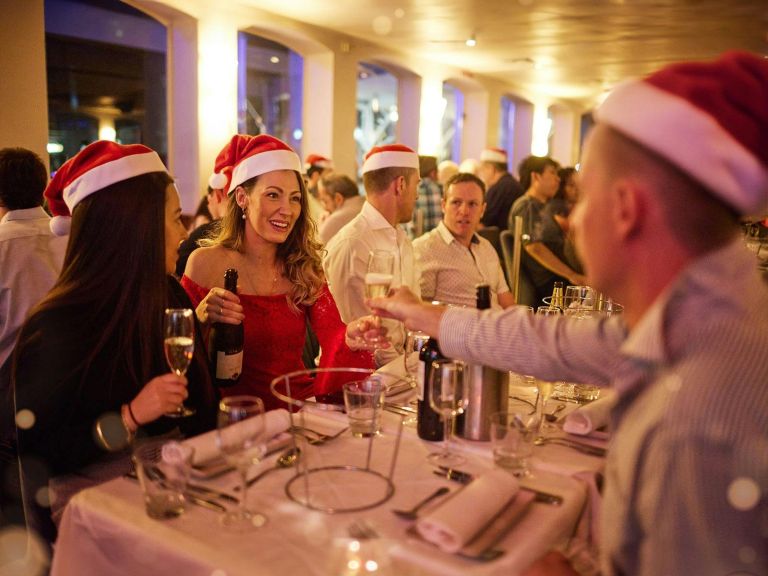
x: 340, y: 197
x: 391, y: 178
x: 30, y: 254
x: 453, y: 258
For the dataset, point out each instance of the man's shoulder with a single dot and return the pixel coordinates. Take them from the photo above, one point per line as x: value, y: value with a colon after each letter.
x: 425, y: 242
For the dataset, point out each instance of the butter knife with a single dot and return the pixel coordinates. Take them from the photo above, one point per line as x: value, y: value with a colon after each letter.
x: 465, y: 478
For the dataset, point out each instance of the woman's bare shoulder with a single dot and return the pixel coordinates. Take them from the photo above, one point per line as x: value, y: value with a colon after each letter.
x: 206, y: 265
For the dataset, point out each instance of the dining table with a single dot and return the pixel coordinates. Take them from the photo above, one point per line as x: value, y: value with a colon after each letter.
x: 105, y: 529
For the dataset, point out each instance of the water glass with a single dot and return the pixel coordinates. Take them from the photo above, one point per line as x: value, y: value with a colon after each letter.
x: 163, y: 468
x: 364, y: 402
x: 548, y: 311
x: 512, y: 436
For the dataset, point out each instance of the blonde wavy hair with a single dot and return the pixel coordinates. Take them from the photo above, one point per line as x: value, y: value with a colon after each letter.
x: 300, y: 254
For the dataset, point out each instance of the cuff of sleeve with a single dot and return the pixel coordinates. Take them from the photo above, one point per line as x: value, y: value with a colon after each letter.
x: 455, y: 326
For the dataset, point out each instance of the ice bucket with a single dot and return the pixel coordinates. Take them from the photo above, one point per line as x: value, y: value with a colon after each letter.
x: 488, y: 392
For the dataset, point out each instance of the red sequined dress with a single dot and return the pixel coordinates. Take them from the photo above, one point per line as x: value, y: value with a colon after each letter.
x: 274, y: 340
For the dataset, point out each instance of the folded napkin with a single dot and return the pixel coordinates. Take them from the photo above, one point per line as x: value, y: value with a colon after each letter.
x: 590, y: 417
x: 459, y: 520
x: 206, y: 447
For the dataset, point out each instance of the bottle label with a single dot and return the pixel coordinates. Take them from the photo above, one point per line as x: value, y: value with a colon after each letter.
x: 420, y: 381
x: 228, y: 366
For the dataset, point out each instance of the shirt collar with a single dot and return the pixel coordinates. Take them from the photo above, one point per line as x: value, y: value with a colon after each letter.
x: 374, y: 218
x: 25, y: 214
x: 448, y: 237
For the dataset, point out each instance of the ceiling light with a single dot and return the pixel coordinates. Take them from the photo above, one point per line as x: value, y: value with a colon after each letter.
x: 471, y: 42
x: 274, y: 59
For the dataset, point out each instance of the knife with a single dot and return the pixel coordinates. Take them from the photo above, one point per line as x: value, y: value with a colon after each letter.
x: 465, y: 478
x: 197, y: 500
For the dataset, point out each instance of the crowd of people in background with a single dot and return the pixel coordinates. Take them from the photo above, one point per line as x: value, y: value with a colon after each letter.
x: 82, y: 294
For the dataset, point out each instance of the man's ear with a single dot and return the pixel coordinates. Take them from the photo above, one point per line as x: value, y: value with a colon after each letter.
x: 630, y: 209
x: 400, y: 185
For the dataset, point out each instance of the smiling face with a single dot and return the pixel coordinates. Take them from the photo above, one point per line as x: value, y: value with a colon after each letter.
x: 175, y: 231
x: 273, y: 206
x: 463, y: 207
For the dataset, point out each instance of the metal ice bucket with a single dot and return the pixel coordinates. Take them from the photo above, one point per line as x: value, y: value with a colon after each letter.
x: 488, y: 391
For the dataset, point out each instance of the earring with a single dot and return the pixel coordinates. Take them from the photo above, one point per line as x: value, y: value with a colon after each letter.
x: 245, y: 212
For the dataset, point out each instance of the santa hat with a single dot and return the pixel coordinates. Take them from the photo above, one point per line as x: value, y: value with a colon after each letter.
x: 220, y: 180
x: 317, y: 160
x: 710, y: 119
x: 391, y: 156
x: 96, y: 166
x: 251, y: 156
x: 498, y: 155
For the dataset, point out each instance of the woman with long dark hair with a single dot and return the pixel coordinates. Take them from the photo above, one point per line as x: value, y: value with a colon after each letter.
x: 89, y: 370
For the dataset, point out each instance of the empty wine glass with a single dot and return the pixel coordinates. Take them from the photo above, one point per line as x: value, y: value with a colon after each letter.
x: 179, y: 346
x: 545, y: 389
x: 414, y: 341
x: 548, y: 311
x: 379, y: 275
x: 240, y: 438
x: 447, y: 397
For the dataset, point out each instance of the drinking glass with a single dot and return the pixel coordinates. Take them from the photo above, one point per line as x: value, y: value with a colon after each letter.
x: 548, y: 311
x: 545, y: 389
x: 512, y: 436
x: 240, y: 438
x: 448, y: 397
x: 579, y: 297
x: 179, y: 346
x: 379, y: 275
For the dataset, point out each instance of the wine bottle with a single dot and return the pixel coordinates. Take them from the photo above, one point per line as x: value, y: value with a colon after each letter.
x: 557, y: 296
x: 225, y: 346
x: 483, y: 296
x: 429, y: 426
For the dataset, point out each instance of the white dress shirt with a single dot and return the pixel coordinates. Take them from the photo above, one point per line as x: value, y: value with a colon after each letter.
x: 30, y: 262
x: 450, y: 271
x: 346, y: 263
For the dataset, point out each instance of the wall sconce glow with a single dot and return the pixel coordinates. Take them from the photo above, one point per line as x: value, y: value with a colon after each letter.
x: 542, y: 124
x: 217, y: 77
x: 274, y: 60
x: 54, y: 148
x: 432, y: 110
x: 107, y: 133
x: 394, y: 115
x: 298, y: 134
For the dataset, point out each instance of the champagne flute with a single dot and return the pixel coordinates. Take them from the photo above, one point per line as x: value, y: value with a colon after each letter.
x: 179, y: 346
x: 379, y: 275
x: 447, y: 397
x: 414, y: 341
x: 240, y: 438
x: 545, y: 389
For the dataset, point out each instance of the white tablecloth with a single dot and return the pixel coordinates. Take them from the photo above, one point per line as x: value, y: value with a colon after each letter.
x: 106, y: 531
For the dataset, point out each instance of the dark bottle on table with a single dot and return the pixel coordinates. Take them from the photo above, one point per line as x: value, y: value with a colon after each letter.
x: 429, y: 425
x: 225, y: 346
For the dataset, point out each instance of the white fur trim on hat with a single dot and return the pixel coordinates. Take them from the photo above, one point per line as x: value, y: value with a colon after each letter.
x: 691, y: 139
x: 217, y: 181
x: 109, y: 173
x: 60, y: 225
x: 263, y: 162
x: 491, y: 155
x: 391, y: 159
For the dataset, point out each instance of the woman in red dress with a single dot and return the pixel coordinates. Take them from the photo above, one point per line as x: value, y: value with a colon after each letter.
x: 269, y: 238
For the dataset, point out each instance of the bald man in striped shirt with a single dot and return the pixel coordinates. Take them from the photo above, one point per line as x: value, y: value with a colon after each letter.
x: 673, y: 162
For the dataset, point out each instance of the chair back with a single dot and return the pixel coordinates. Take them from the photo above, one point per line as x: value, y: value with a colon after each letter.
x: 512, y: 245
x: 492, y: 234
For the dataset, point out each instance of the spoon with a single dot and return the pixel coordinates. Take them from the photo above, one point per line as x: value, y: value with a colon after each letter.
x: 286, y: 460
x: 552, y: 417
x: 413, y: 513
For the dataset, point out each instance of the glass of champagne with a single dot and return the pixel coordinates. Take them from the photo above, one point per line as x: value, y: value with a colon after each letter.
x: 179, y: 346
x: 240, y: 438
x: 448, y: 397
x: 380, y: 273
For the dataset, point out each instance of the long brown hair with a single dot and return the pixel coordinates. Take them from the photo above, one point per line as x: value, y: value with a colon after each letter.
x: 299, y: 254
x: 115, y: 274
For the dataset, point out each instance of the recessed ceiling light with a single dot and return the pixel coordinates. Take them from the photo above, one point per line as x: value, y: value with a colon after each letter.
x: 471, y: 42
x: 274, y: 60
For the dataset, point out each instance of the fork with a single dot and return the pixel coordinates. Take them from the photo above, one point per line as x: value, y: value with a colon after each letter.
x: 580, y: 447
x: 413, y: 513
x: 317, y: 438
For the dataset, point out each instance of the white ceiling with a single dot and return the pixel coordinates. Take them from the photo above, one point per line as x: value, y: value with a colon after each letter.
x: 568, y: 49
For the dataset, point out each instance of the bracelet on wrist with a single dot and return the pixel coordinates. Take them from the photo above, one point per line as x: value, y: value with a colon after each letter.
x: 133, y: 416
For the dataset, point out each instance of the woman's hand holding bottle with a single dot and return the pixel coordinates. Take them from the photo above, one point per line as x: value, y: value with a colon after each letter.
x: 220, y: 305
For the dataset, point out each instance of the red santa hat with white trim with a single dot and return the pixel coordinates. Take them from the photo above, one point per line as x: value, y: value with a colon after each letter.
x: 710, y: 119
x: 390, y: 156
x: 319, y: 161
x: 250, y: 156
x: 96, y: 166
x: 498, y: 155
